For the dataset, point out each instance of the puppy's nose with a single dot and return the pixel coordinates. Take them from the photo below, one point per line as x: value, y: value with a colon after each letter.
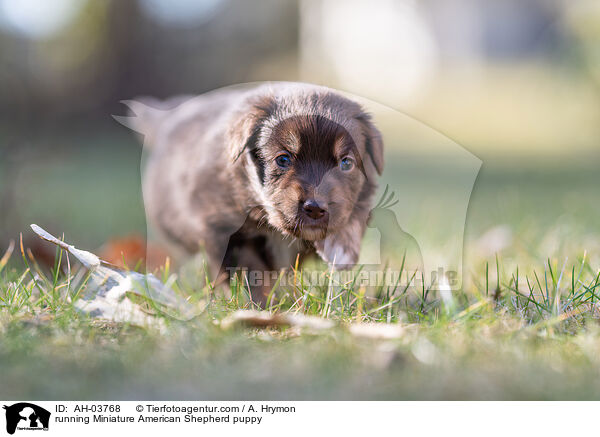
x: 313, y: 210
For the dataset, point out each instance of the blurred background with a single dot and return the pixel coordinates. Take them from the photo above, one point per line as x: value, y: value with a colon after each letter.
x: 517, y: 83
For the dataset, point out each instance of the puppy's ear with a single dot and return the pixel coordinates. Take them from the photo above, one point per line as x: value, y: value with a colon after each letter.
x: 244, y: 132
x: 373, y: 141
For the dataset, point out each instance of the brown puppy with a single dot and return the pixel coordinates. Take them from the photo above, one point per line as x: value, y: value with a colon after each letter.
x: 256, y: 177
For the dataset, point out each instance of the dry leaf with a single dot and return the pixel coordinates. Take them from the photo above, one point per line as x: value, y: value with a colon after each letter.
x: 383, y: 331
x: 263, y: 319
x: 107, y: 288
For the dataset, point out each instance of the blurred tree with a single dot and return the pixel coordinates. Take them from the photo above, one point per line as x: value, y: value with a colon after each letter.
x: 114, y: 50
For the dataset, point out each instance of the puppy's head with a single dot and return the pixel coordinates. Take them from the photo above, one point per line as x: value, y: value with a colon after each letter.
x: 311, y: 156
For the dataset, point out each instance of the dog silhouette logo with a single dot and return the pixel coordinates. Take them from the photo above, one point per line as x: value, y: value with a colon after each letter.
x: 26, y: 416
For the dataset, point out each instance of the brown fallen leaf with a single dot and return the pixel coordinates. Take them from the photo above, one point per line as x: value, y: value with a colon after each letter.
x: 264, y: 319
x: 133, y: 251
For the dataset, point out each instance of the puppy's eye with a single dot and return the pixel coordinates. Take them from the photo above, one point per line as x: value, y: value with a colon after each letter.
x: 347, y: 164
x: 284, y: 160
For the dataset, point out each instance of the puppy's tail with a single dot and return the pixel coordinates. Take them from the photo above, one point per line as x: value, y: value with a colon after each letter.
x: 145, y: 116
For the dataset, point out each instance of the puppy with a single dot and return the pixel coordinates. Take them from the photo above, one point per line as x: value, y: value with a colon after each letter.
x: 255, y: 178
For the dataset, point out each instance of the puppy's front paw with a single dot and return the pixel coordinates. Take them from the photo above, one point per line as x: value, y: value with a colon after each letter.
x: 338, y: 253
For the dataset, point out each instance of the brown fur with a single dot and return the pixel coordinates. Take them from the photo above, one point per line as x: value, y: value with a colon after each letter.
x: 213, y: 183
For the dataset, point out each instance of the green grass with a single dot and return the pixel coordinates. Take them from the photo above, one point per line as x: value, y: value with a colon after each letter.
x: 495, y: 342
x: 525, y: 325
